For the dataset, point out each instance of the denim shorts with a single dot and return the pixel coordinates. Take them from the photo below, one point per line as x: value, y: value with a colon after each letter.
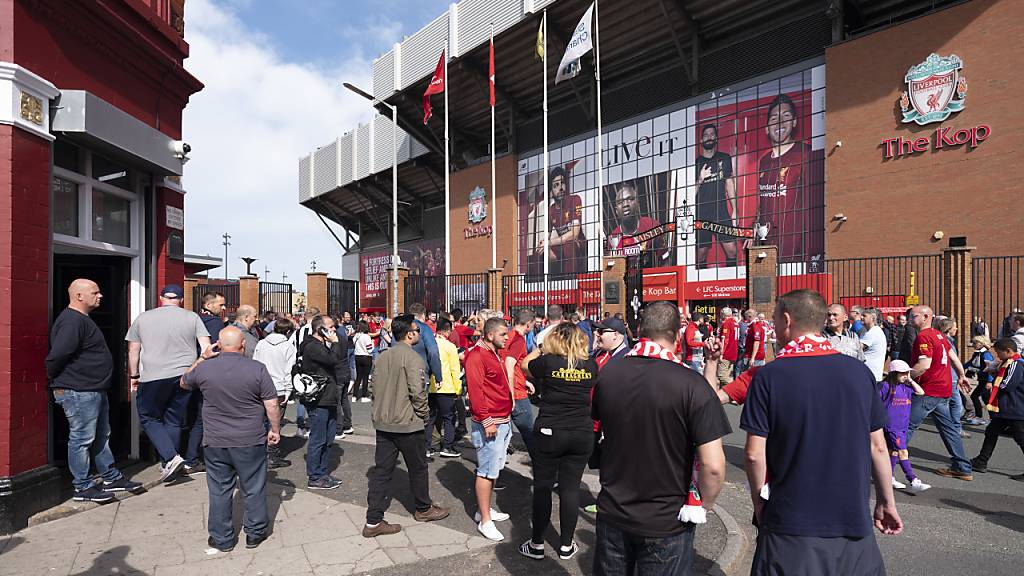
x: 491, y: 452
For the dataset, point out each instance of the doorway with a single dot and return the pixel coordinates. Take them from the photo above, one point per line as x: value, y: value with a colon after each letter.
x: 113, y: 275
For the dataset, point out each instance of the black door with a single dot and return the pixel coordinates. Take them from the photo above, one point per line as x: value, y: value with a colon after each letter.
x: 112, y: 274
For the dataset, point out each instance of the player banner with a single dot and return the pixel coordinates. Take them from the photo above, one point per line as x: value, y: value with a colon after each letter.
x: 717, y: 228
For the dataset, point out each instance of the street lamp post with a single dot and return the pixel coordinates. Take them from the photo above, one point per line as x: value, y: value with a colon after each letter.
x: 394, y: 191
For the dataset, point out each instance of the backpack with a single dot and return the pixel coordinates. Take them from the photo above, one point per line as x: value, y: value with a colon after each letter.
x: 307, y: 388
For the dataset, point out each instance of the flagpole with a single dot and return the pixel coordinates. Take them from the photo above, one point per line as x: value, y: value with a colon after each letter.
x: 447, y: 196
x: 600, y: 159
x: 494, y: 205
x: 544, y: 174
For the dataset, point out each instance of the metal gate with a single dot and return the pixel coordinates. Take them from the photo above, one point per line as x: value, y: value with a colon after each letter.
x: 426, y: 290
x: 634, y: 296
x: 468, y: 292
x: 230, y: 292
x: 342, y: 296
x: 997, y: 287
x: 275, y: 297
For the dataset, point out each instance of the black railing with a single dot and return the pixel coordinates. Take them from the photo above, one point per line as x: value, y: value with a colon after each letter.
x: 275, y: 297
x: 426, y: 290
x: 888, y: 282
x: 468, y: 292
x: 342, y: 296
x: 230, y: 292
x: 997, y: 286
x: 574, y: 293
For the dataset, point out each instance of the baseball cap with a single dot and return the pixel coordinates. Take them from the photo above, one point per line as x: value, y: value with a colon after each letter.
x: 899, y: 366
x: 172, y: 291
x: 611, y: 323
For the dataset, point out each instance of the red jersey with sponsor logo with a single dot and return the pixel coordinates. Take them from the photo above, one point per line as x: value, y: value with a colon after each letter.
x: 729, y: 332
x: 937, y: 380
x: 756, y: 333
x: 782, y: 199
x: 694, y: 341
x: 515, y: 348
x: 644, y: 224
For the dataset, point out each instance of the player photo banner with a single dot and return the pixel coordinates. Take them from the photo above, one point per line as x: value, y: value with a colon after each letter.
x: 634, y: 245
x: 717, y: 228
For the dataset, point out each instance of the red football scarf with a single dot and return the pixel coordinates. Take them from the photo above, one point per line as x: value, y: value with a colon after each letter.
x: 993, y: 401
x: 693, y: 510
x: 808, y: 345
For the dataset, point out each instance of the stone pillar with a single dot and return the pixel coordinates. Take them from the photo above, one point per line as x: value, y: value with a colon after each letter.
x: 316, y: 293
x: 190, y: 284
x: 613, y: 285
x: 495, y: 293
x: 957, y: 292
x: 249, y: 291
x: 394, y: 308
x: 762, y: 278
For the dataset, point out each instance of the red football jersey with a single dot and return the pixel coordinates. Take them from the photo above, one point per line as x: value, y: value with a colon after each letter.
x: 565, y: 212
x: 937, y: 380
x: 756, y: 333
x: 729, y: 332
x: 782, y: 201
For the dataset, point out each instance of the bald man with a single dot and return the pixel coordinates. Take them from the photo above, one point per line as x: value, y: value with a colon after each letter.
x: 79, y: 367
x: 932, y: 357
x: 239, y: 396
x: 245, y: 319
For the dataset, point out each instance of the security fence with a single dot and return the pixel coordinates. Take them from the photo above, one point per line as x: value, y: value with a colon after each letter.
x: 230, y: 292
x: 575, y: 293
x: 467, y: 292
x: 275, y: 297
x: 997, y: 288
x: 342, y: 296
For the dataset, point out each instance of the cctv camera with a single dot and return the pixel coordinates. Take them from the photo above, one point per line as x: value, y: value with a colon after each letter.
x: 180, y: 148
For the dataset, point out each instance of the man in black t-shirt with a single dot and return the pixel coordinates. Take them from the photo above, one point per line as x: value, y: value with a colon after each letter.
x: 814, y: 429
x: 716, y: 196
x: 657, y: 417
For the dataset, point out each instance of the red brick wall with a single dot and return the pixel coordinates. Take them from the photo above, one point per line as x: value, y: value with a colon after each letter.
x: 895, y: 205
x: 168, y: 270
x: 24, y: 297
x: 473, y: 255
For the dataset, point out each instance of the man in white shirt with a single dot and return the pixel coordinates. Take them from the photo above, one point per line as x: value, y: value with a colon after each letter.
x: 874, y: 342
x: 555, y: 317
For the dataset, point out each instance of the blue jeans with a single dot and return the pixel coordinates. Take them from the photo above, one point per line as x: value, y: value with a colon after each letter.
x: 491, y: 452
x: 301, y: 415
x: 922, y: 406
x: 87, y: 414
x: 522, y: 417
x: 352, y: 363
x: 162, y: 406
x: 956, y: 407
x: 620, y: 553
x: 247, y: 465
x: 323, y: 425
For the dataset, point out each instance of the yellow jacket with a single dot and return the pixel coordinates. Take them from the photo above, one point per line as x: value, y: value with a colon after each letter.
x: 450, y: 369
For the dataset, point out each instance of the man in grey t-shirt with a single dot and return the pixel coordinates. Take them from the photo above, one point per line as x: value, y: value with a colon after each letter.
x: 165, y: 339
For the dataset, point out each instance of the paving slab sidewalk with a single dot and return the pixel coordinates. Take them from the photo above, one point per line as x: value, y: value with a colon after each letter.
x: 163, y: 532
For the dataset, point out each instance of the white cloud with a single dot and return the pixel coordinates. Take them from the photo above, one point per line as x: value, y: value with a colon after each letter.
x: 248, y: 127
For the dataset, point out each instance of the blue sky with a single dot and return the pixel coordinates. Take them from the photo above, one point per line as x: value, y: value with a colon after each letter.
x: 273, y: 71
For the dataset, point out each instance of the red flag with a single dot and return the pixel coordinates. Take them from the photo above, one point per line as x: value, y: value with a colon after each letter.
x: 491, y: 75
x: 436, y: 86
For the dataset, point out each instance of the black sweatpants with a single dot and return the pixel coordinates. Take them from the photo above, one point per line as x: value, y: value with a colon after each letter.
x: 560, y: 455
x: 995, y: 427
x: 364, y: 365
x: 389, y: 444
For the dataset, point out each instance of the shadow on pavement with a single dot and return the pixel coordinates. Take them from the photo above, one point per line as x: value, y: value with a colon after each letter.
x: 1002, y: 518
x: 111, y: 562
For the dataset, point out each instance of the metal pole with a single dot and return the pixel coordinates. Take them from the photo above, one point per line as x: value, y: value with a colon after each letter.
x: 600, y: 159
x: 226, y: 243
x: 494, y: 203
x: 447, y: 197
x: 394, y: 207
x: 544, y: 175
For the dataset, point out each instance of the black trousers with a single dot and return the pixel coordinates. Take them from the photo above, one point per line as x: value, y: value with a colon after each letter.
x: 344, y: 406
x: 785, y: 554
x: 996, y: 427
x: 389, y: 444
x: 560, y: 455
x: 979, y: 397
x: 441, y: 406
x: 363, y: 366
x: 460, y: 414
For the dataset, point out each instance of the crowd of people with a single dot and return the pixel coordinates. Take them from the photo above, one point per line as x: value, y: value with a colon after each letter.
x: 644, y: 409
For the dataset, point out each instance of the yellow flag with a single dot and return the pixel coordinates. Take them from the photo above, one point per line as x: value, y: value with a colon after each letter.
x: 540, y: 40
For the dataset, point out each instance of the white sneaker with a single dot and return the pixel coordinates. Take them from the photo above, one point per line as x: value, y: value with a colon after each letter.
x: 364, y: 400
x: 172, y: 469
x: 490, y: 532
x: 917, y: 486
x: 495, y: 516
x: 897, y: 484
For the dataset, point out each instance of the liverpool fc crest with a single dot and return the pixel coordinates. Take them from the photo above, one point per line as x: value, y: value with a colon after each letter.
x: 935, y: 89
x: 477, y: 205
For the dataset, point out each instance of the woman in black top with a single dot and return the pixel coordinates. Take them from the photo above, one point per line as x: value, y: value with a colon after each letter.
x: 563, y: 432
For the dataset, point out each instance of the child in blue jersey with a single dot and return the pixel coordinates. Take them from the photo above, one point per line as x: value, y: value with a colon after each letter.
x: 896, y: 391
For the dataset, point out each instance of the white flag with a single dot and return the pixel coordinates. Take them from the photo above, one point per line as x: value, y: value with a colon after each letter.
x: 582, y: 41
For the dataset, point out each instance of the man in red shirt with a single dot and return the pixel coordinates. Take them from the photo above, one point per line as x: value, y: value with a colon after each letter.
x: 565, y: 215
x: 513, y: 354
x: 694, y: 343
x: 932, y: 357
x: 490, y: 394
x: 729, y: 333
x: 757, y: 338
x: 631, y: 223
x: 782, y: 195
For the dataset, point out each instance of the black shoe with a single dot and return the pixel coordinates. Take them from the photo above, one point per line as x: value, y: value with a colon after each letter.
x: 254, y: 541
x: 498, y: 484
x: 978, y: 466
x: 195, y: 469
x: 325, y: 483
x: 123, y: 484
x: 277, y: 462
x: 228, y: 548
x: 94, y: 494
